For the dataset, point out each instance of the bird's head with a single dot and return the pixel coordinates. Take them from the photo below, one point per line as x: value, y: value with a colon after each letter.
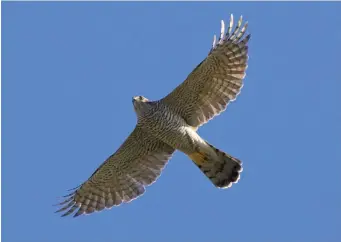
x: 141, y: 105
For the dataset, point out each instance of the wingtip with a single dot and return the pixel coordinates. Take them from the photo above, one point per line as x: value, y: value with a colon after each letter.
x: 247, y: 38
x: 77, y: 215
x: 222, y: 30
x: 230, y: 25
x: 72, y: 189
x: 60, y: 210
x: 214, y: 41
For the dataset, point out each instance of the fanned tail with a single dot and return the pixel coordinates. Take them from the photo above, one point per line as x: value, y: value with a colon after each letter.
x: 222, y: 169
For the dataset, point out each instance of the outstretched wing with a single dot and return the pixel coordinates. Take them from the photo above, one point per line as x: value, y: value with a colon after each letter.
x: 122, y: 177
x: 216, y: 81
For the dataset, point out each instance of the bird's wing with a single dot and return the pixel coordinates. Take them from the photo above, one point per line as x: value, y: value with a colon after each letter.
x: 122, y: 177
x: 216, y: 81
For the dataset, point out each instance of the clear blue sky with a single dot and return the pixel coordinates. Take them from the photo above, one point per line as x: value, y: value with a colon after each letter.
x: 69, y: 71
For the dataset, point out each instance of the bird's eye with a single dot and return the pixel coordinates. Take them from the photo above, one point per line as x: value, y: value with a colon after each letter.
x: 140, y: 97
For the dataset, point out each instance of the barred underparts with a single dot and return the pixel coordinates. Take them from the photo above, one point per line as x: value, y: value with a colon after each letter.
x: 171, y: 124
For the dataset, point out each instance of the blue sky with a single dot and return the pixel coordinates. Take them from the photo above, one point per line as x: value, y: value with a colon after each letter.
x: 69, y: 71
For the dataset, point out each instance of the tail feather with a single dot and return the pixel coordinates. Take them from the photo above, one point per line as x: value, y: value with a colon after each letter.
x: 222, y: 169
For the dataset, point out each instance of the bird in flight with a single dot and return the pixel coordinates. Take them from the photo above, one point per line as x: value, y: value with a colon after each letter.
x: 171, y: 124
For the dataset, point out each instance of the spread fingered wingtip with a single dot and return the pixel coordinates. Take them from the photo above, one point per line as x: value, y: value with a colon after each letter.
x: 241, y: 32
x: 70, y: 204
x: 63, y: 202
x: 72, y: 189
x: 232, y: 35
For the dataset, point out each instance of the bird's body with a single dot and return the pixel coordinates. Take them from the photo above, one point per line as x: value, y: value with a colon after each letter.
x: 169, y: 127
x: 171, y: 124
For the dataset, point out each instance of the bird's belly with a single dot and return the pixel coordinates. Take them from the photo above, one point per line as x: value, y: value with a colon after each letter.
x: 173, y: 130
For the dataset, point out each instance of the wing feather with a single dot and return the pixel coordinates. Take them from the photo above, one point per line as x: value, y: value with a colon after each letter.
x: 216, y: 81
x: 122, y: 177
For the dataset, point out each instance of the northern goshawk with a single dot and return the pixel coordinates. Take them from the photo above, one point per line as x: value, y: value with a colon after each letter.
x: 171, y: 124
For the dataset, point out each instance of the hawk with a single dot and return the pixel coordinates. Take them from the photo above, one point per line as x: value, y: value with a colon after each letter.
x: 171, y: 124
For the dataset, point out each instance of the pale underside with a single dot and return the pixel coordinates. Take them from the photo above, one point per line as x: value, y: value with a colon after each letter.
x: 123, y: 176
x: 205, y: 93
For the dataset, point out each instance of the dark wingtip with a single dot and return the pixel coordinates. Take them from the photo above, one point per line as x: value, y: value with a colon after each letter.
x: 72, y: 189
x: 77, y: 214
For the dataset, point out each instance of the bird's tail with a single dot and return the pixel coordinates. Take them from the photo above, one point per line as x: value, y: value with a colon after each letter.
x: 222, y: 169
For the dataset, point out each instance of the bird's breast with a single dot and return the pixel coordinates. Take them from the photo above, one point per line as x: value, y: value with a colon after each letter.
x: 168, y: 127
